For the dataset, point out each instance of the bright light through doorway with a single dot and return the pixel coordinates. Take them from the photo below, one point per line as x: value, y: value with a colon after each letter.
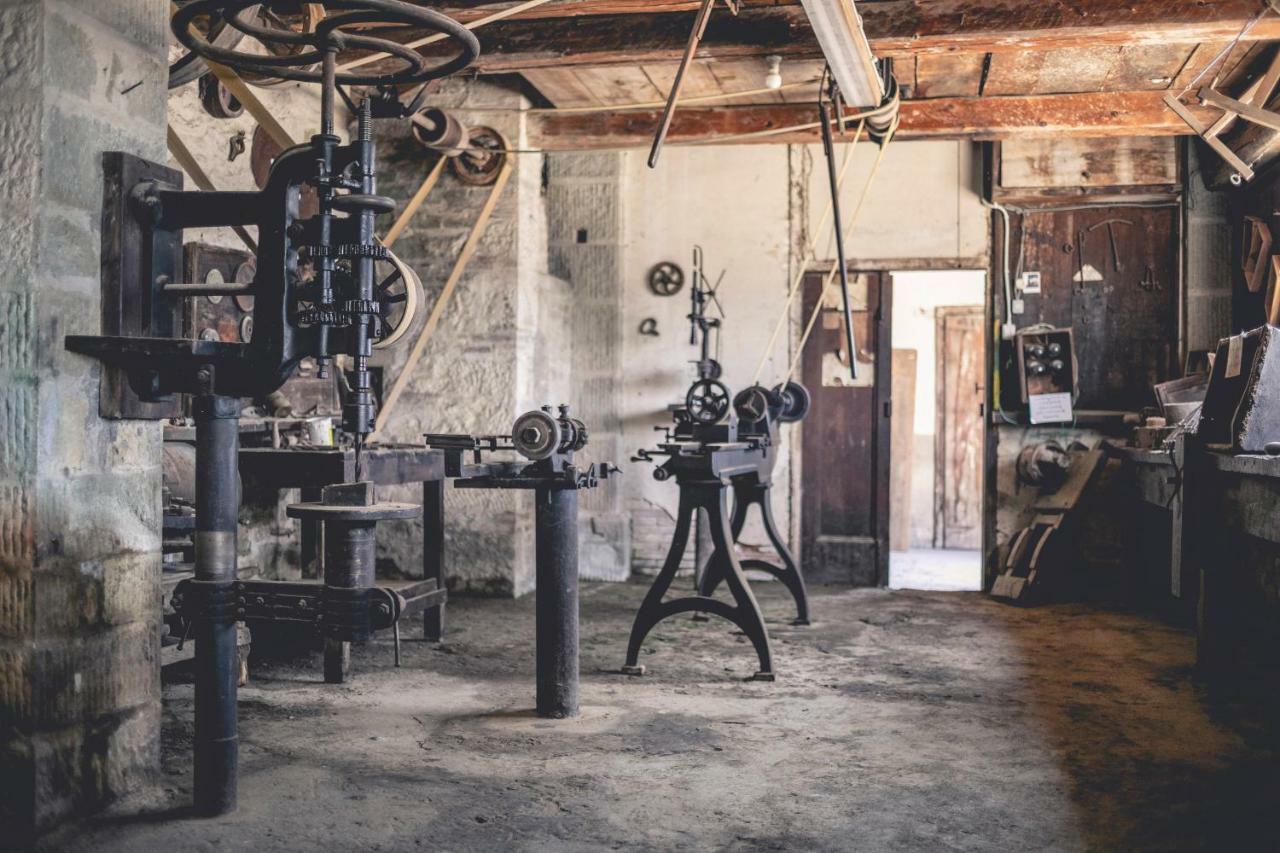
x: 939, y: 371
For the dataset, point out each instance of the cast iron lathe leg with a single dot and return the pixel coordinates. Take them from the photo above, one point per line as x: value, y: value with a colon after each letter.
x: 745, y: 494
x: 433, y: 555
x: 557, y: 602
x: 216, y: 666
x: 790, y: 571
x: 745, y: 613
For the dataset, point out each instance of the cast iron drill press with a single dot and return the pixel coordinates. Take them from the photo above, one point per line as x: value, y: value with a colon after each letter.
x: 315, y: 295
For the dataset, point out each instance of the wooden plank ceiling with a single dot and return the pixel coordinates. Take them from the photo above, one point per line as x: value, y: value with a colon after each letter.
x: 973, y: 68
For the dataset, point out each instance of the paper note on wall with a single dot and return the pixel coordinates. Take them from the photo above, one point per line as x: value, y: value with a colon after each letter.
x: 1051, y: 408
x: 1235, y: 354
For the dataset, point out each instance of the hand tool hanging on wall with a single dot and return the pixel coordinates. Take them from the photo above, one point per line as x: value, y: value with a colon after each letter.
x: 1110, y: 224
x: 677, y: 85
x: 316, y: 296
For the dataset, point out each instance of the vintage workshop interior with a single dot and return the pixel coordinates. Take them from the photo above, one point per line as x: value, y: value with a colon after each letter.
x: 642, y: 424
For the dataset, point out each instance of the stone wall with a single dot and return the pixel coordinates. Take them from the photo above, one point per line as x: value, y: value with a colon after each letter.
x: 586, y: 248
x: 79, y: 496
x: 1209, y: 268
x: 501, y: 345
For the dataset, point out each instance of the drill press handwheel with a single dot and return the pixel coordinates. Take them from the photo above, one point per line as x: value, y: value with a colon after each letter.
x: 707, y: 401
x: 362, y: 16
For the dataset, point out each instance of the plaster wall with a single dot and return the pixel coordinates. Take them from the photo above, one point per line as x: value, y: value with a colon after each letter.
x: 732, y: 202
x: 923, y: 205
x: 753, y: 209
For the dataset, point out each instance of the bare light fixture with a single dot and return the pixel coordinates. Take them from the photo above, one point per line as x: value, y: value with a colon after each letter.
x: 773, y: 80
x: 838, y: 27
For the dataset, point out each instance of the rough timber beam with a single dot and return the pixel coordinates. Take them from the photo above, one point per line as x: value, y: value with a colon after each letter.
x: 1088, y: 115
x: 619, y: 32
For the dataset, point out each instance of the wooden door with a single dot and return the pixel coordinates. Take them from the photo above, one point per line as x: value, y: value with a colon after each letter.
x: 961, y: 404
x: 845, y: 445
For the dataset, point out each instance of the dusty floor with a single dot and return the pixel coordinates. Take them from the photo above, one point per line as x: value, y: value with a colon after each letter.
x: 901, y: 721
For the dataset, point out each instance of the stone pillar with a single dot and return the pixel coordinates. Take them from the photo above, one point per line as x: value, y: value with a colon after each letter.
x: 79, y: 496
x: 586, y: 244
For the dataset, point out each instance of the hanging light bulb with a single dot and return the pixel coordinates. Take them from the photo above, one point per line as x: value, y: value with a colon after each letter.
x: 773, y: 80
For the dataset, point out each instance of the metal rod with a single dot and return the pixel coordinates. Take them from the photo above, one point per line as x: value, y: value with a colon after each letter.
x: 433, y: 554
x: 199, y: 289
x: 216, y: 664
x: 556, y: 524
x: 829, y: 148
x: 669, y: 112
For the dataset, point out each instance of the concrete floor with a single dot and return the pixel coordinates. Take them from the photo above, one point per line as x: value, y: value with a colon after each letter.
x: 936, y: 569
x: 901, y: 721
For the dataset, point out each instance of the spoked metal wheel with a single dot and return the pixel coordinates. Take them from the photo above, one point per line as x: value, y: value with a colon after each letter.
x: 707, y: 401
x: 399, y: 295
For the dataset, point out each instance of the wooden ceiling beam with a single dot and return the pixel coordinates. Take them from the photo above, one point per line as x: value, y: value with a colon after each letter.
x: 895, y: 27
x: 470, y: 10
x: 1087, y: 115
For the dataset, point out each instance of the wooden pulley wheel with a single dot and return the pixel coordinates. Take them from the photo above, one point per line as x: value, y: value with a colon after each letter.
x: 481, y: 159
x: 399, y: 295
x: 262, y: 154
x: 217, y: 99
x: 298, y: 17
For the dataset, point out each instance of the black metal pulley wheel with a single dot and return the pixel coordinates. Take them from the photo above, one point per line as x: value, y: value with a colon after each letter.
x: 757, y: 403
x: 666, y: 279
x: 796, y: 400
x: 751, y: 404
x: 710, y: 369
x: 360, y: 25
x: 707, y: 401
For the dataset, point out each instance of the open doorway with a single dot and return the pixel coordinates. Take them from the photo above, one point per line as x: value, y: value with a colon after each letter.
x: 936, y: 470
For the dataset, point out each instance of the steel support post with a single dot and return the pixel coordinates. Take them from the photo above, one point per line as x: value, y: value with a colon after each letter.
x: 216, y: 664
x: 350, y: 554
x: 433, y: 554
x: 557, y: 602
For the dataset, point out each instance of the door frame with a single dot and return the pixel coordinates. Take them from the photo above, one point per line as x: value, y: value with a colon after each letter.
x: 940, y: 437
x: 882, y: 410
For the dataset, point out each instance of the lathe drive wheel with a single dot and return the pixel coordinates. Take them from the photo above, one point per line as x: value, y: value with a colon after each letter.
x: 707, y: 401
x: 796, y: 401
